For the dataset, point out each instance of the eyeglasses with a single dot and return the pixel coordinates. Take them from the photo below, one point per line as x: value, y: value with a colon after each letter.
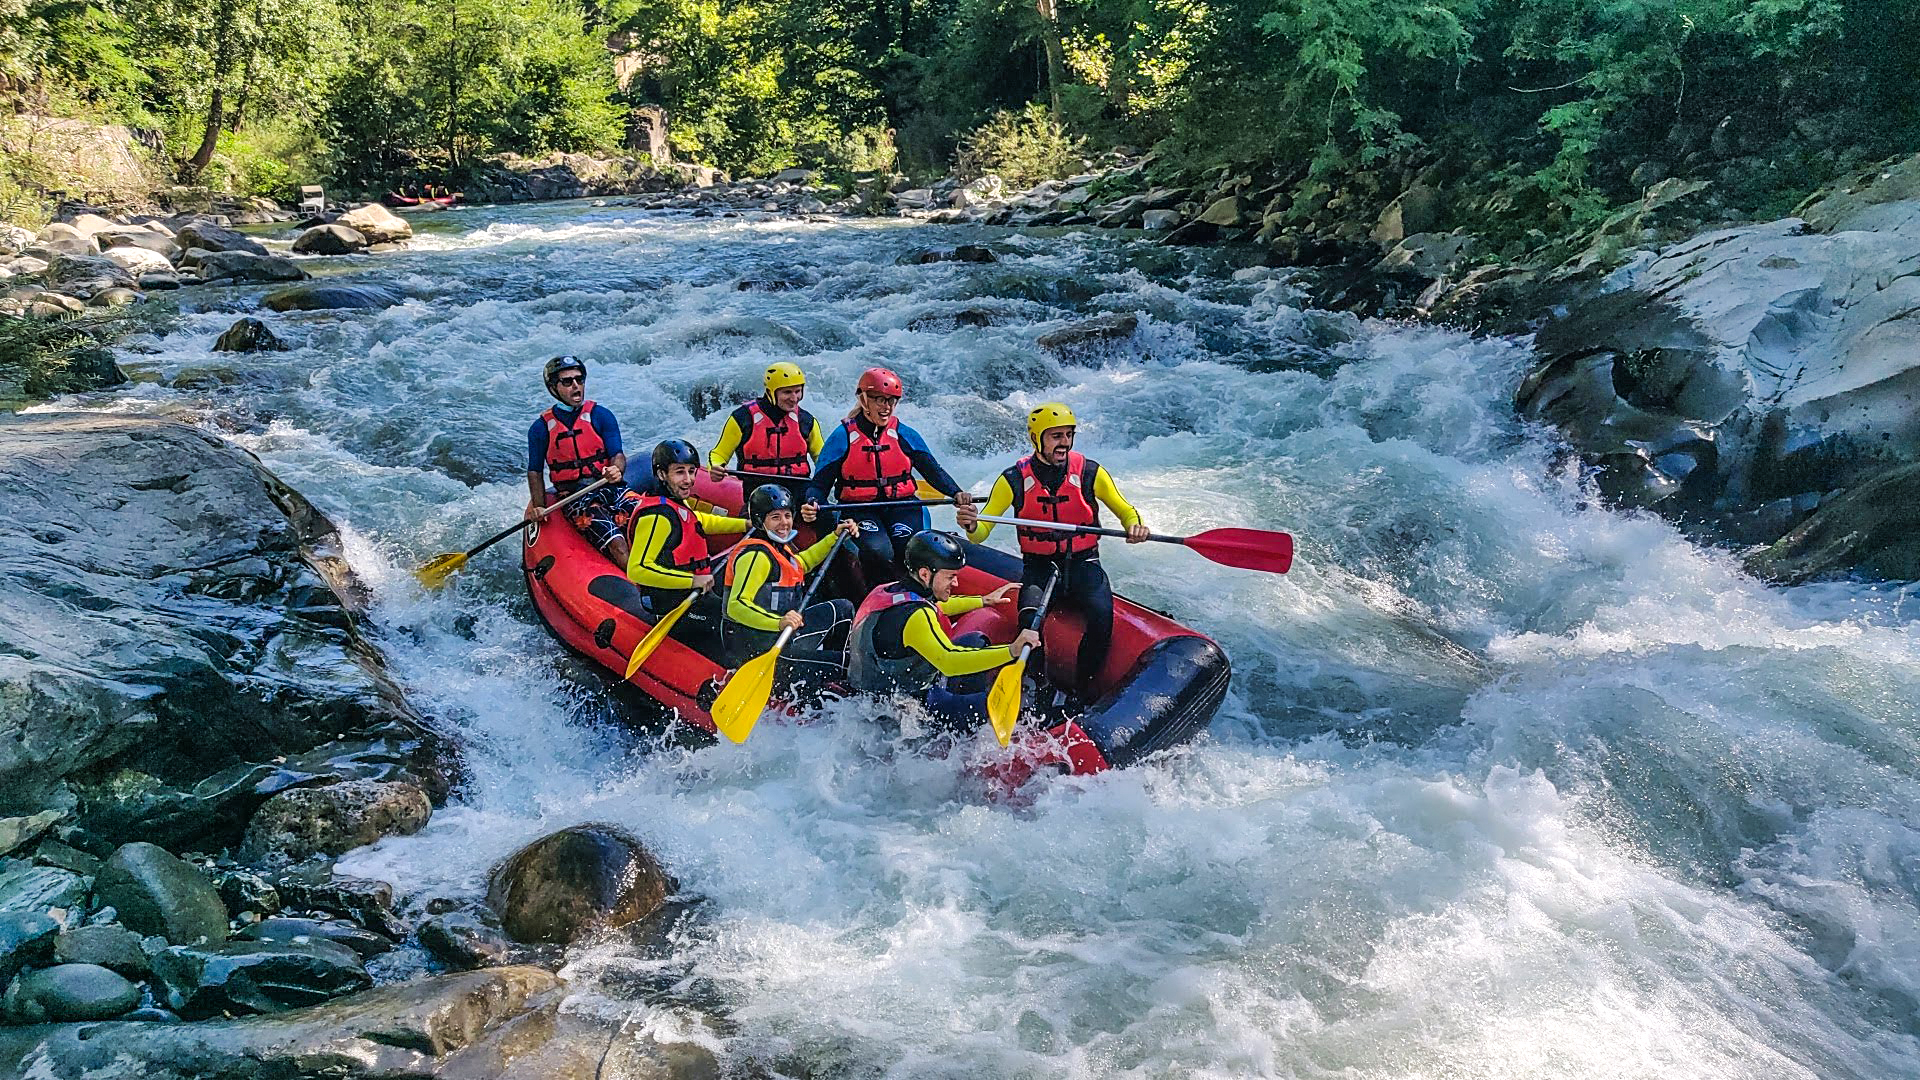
x: 571, y: 380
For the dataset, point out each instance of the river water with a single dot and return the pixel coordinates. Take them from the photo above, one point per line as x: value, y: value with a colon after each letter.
x: 1507, y: 784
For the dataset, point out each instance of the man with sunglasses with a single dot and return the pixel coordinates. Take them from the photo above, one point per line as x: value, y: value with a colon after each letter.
x: 575, y: 443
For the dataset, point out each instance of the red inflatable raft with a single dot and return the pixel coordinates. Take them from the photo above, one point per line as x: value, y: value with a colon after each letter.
x: 1161, y: 685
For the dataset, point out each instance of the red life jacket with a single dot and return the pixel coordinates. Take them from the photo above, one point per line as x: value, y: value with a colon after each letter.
x: 574, y: 452
x: 689, y: 550
x: 885, y: 596
x: 774, y: 446
x: 878, y: 659
x: 875, y: 469
x: 1072, y: 504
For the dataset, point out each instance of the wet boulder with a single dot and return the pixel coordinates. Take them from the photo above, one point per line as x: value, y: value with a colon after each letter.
x: 970, y: 253
x: 198, y: 618
x: 574, y: 882
x: 367, y: 901
x: 361, y: 940
x: 244, y: 891
x: 377, y: 223
x: 1088, y: 332
x: 409, y: 1029
x: 156, y: 892
x: 39, y: 889
x: 330, y: 240
x: 464, y: 940
x: 26, y: 940
x: 242, y: 267
x: 248, y: 335
x: 332, y: 297
x: 18, y: 831
x: 106, y: 945
x: 69, y: 992
x: 84, y: 275
x: 256, y: 976
x: 1751, y: 365
x: 212, y: 237
x: 334, y: 819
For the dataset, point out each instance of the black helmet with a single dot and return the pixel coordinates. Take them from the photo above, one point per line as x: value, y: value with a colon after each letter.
x: 931, y: 549
x: 674, y: 452
x: 559, y: 364
x: 766, y: 499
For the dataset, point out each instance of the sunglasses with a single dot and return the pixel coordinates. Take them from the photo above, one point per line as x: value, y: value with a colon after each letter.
x: 571, y: 380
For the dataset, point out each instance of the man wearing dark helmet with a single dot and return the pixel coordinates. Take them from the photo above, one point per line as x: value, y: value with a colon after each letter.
x: 575, y: 443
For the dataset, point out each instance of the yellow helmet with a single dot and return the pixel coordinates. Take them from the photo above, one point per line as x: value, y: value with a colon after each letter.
x: 784, y: 374
x: 1046, y: 417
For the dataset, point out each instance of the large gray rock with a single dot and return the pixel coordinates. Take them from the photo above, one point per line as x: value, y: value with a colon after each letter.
x: 330, y: 240
x: 1751, y: 365
x: 68, y: 992
x: 241, y: 267
x: 464, y: 940
x: 15, y: 831
x: 84, y: 275
x: 211, y: 237
x: 364, y: 942
x: 140, y: 236
x: 14, y: 239
x: 32, y: 889
x: 576, y: 881
x: 157, y: 893
x: 377, y: 223
x: 165, y: 603
x: 1089, y: 332
x: 138, y: 260
x: 26, y: 940
x: 64, y: 239
x: 321, y: 297
x: 107, y: 945
x: 248, y: 335
x: 334, y: 819
x: 406, y: 1030
x: 257, y: 976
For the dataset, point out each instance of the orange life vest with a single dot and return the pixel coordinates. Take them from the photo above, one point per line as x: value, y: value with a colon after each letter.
x: 1071, y: 504
x: 575, y: 451
x: 877, y: 468
x: 774, y: 446
x: 779, y: 594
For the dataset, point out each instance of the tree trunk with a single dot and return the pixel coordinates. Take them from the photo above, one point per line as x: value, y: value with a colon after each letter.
x: 1120, y: 76
x: 204, y: 156
x: 1056, y: 53
x: 453, y: 91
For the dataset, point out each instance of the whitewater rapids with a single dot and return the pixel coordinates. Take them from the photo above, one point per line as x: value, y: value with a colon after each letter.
x: 1507, y: 784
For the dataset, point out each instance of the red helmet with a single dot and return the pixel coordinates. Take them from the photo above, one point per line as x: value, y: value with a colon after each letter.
x: 880, y: 381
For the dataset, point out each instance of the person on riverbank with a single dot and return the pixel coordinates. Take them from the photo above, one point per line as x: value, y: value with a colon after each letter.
x: 670, y: 558
x: 902, y: 640
x: 572, y: 444
x: 1056, y: 483
x: 871, y: 457
x: 771, y: 435
x: 766, y: 578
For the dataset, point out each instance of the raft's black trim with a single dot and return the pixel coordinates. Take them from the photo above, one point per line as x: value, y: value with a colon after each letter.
x: 603, y: 634
x: 1168, y: 698
x: 621, y: 593
x: 540, y: 568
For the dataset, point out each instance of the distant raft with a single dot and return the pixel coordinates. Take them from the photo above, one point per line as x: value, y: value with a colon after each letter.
x: 1160, y: 687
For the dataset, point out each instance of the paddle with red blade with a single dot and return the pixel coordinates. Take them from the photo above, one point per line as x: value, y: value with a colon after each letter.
x: 1248, y: 549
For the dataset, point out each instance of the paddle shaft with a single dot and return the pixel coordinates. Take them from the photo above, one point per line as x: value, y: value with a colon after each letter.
x: 509, y: 531
x: 1094, y: 529
x: 819, y: 575
x: 948, y: 501
x: 1040, y: 613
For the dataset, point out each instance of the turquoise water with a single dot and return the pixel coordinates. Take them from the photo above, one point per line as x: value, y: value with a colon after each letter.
x: 1507, y: 784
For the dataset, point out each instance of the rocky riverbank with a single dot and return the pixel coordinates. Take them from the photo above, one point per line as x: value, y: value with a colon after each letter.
x: 1751, y: 381
x: 194, y: 729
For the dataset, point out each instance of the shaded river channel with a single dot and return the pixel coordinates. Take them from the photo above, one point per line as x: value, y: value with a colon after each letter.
x: 1507, y: 784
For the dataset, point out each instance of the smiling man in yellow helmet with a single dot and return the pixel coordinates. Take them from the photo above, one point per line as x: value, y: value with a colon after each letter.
x: 771, y: 434
x: 1054, y: 483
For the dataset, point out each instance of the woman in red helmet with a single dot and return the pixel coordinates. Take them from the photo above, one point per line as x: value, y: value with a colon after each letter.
x: 872, y: 457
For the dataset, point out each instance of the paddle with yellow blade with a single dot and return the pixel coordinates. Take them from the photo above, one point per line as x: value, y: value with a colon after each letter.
x: 744, y: 698
x: 1003, y: 701
x: 435, y: 571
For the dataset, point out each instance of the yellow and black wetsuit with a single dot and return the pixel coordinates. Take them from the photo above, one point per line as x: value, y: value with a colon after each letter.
x: 902, y: 642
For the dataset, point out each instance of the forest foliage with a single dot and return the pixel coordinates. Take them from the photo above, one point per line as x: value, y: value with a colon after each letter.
x: 1567, y: 104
